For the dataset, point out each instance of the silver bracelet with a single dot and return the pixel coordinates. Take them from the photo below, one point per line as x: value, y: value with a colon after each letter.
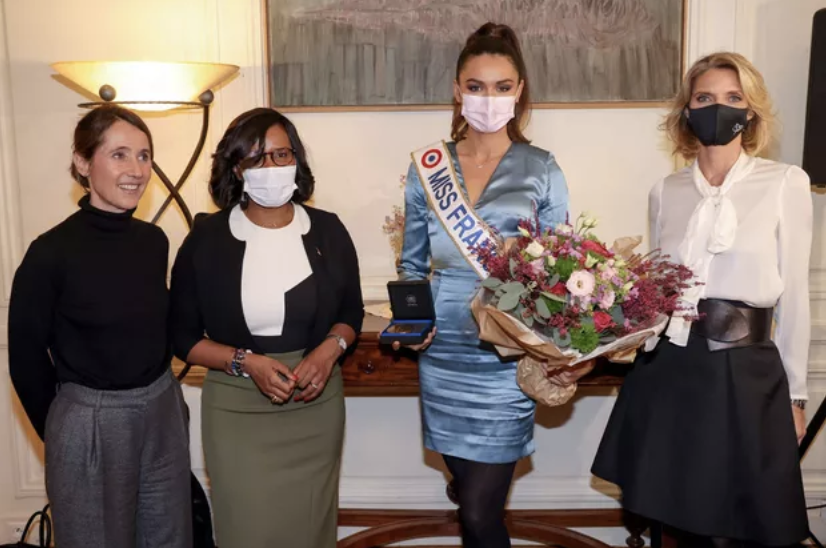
x: 800, y: 404
x: 339, y: 339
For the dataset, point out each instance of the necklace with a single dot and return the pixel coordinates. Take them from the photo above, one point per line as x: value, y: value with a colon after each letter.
x: 489, y: 160
x: 273, y: 224
x: 483, y: 164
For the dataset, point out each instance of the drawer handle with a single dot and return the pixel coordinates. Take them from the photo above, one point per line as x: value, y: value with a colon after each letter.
x: 368, y: 367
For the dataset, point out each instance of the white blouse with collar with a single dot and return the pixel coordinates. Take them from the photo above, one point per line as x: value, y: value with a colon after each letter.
x: 751, y: 244
x: 275, y: 261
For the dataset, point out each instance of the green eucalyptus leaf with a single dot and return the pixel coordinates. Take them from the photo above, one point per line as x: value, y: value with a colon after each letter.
x: 558, y: 298
x: 491, y: 282
x: 542, y: 308
x: 560, y: 341
x: 555, y: 307
x: 617, y: 315
x: 511, y: 287
x: 508, y: 302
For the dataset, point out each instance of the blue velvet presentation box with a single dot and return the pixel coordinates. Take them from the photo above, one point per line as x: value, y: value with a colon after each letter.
x: 413, y: 314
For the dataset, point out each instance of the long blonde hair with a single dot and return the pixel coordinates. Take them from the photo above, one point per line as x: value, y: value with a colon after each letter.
x: 760, y: 129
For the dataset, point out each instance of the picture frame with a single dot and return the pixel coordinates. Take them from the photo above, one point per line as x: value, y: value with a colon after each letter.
x: 400, y: 55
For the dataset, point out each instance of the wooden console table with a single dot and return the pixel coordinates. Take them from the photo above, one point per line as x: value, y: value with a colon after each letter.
x: 374, y: 370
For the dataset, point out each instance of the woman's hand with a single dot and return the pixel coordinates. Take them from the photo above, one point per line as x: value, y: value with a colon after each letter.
x: 418, y: 347
x: 799, y: 422
x: 267, y: 375
x: 314, y: 370
x: 568, y: 375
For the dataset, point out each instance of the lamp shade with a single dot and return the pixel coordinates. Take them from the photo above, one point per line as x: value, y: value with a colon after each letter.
x: 147, y: 85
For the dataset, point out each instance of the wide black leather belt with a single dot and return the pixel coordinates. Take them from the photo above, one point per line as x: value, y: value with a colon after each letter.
x: 732, y: 324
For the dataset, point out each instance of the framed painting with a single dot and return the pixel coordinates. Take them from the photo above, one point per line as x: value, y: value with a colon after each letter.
x: 401, y: 54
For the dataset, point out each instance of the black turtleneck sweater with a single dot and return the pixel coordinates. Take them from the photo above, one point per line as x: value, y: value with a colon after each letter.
x: 89, y: 306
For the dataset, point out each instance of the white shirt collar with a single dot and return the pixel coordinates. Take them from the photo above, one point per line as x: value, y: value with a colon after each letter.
x: 241, y: 227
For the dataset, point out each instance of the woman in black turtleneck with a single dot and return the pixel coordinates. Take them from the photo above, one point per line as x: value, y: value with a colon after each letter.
x: 89, y: 355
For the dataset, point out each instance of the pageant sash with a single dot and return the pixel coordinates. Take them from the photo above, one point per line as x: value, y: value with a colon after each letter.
x: 448, y: 201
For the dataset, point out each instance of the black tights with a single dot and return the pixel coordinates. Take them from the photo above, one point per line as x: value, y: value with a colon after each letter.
x: 482, y: 491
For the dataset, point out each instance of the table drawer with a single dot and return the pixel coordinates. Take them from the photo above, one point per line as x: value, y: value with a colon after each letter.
x: 375, y: 370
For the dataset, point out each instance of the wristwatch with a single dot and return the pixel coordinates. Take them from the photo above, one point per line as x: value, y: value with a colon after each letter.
x: 801, y: 404
x: 340, y: 340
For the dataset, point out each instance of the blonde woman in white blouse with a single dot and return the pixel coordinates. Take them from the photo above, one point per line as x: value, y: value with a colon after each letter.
x: 703, y: 436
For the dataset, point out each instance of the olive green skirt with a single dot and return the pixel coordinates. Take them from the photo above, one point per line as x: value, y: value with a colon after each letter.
x: 273, y: 469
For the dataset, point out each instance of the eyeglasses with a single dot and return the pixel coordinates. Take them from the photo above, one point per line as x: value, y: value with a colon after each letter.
x: 279, y: 156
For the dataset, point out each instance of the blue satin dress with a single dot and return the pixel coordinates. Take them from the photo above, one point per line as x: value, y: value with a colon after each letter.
x: 472, y: 407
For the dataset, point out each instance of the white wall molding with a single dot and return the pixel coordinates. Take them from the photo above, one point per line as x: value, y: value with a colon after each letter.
x: 27, y: 470
x: 817, y: 283
x: 744, y: 28
x: 374, y: 288
x: 242, y: 19
x: 695, y: 31
x: 11, y: 527
x: 429, y: 491
x: 29, y: 475
x: 540, y: 492
x: 713, y: 26
x: 10, y: 227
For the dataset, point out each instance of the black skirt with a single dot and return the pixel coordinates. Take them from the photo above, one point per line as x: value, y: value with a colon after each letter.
x: 705, y: 442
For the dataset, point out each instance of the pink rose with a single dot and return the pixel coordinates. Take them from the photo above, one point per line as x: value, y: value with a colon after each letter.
x: 581, y: 283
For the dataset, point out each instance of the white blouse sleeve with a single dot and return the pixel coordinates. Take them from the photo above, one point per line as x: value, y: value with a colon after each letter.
x: 654, y: 208
x: 793, y: 328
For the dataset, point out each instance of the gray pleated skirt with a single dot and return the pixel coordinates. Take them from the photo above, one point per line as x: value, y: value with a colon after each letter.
x: 273, y: 469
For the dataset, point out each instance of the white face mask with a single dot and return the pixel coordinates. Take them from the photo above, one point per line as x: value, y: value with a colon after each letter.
x: 270, y: 186
x: 488, y: 114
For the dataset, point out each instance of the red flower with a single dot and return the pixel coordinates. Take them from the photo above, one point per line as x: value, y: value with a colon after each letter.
x: 559, y: 289
x: 596, y: 247
x: 603, y: 321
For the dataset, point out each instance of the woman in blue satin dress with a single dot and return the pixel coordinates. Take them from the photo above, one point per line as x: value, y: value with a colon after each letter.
x: 474, y: 413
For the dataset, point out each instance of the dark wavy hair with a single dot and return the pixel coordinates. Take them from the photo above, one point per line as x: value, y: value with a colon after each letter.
x: 494, y: 39
x: 244, y: 134
x: 92, y: 128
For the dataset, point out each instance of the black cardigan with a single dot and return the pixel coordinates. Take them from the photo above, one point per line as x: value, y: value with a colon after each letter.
x: 206, y: 283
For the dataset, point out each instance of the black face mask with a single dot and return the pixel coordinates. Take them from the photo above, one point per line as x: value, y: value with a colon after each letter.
x: 717, y: 124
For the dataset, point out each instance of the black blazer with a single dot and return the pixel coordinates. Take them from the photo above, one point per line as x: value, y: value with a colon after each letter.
x: 206, y: 283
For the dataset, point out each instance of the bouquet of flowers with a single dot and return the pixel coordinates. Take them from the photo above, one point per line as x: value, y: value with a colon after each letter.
x: 561, y: 297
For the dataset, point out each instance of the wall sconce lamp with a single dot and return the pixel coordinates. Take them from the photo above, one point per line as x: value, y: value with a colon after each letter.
x: 152, y: 86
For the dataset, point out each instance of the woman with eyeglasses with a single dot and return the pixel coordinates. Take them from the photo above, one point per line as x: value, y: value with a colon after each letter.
x: 266, y: 295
